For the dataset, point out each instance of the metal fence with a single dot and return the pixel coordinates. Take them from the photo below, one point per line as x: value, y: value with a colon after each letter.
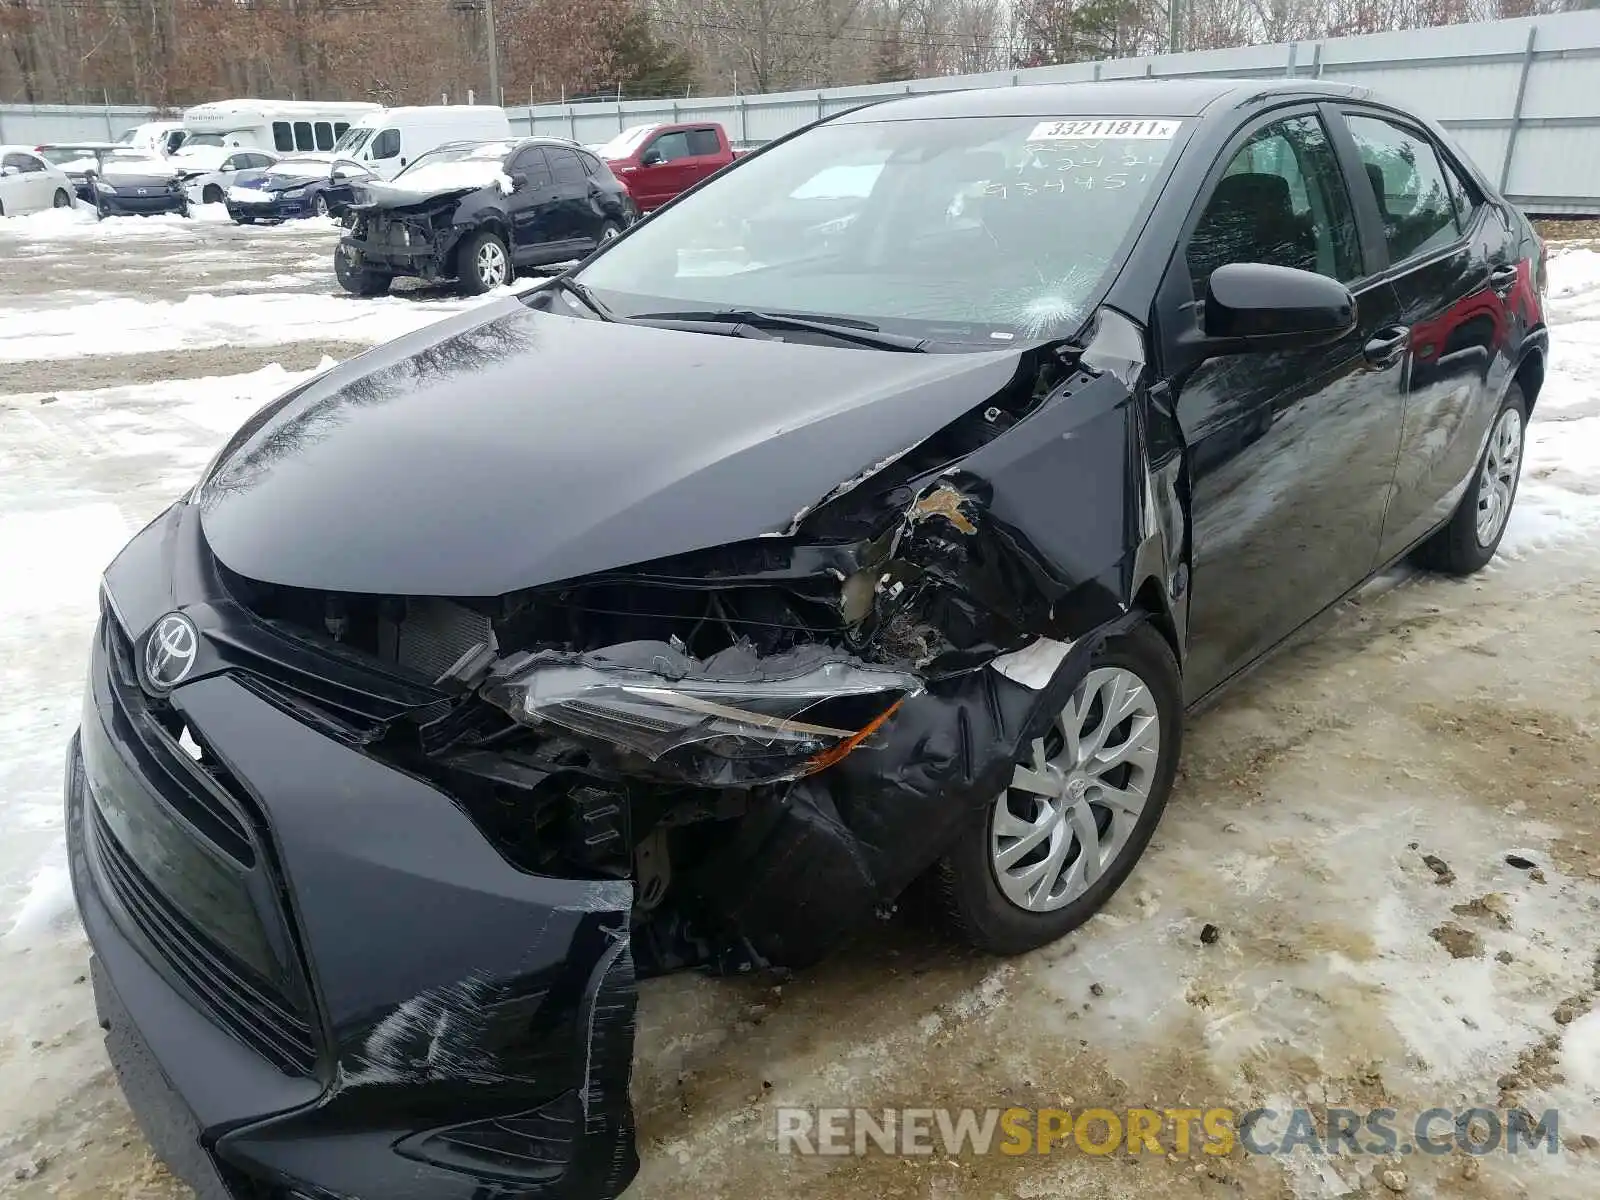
x: 1522, y: 97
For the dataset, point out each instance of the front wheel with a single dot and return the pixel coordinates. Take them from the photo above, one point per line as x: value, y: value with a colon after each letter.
x: 359, y: 281
x: 320, y: 205
x: 1050, y: 850
x: 483, y: 263
x: 61, y: 199
x: 1473, y: 534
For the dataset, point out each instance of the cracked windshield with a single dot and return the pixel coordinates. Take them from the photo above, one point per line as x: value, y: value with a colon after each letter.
x: 986, y: 230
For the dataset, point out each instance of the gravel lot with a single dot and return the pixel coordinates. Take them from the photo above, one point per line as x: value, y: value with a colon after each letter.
x: 1427, y: 717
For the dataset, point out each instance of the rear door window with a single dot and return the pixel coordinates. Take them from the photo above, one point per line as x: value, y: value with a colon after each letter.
x: 564, y: 167
x: 704, y: 141
x: 325, y: 135
x: 1408, y: 182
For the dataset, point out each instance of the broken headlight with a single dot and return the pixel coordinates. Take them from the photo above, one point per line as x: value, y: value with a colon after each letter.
x: 733, y: 719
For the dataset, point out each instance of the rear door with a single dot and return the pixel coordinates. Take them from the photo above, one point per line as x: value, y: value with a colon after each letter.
x: 1291, y: 453
x: 30, y: 186
x: 576, y: 221
x: 1452, y: 261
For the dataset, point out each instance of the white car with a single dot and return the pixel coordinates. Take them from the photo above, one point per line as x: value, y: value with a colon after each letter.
x: 208, y: 172
x: 28, y: 183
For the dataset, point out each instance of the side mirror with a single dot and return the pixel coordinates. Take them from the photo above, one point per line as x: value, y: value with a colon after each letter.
x: 1258, y: 306
x: 651, y: 158
x: 9, y: 171
x: 519, y: 181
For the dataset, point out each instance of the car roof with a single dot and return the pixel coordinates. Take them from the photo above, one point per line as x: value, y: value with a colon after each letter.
x: 1112, y: 98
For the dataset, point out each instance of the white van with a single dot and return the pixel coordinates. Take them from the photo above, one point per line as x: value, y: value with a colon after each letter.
x: 279, y: 126
x: 386, y: 142
x: 155, y: 138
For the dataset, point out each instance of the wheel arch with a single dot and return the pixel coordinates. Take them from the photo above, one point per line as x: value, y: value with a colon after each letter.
x: 1530, y: 372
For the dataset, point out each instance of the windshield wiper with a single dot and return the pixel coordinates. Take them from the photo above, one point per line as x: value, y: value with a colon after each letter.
x: 844, y: 329
x: 570, y: 285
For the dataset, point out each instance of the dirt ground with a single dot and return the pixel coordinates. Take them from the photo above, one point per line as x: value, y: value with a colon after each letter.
x: 1377, y: 885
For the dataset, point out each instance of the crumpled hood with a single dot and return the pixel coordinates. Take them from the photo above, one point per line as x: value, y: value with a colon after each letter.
x: 508, y: 448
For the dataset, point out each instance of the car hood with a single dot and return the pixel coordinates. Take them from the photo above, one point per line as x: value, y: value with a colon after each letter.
x: 287, y: 183
x: 508, y: 448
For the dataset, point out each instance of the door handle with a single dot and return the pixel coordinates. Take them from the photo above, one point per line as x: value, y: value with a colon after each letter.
x: 1503, y: 279
x: 1386, y: 346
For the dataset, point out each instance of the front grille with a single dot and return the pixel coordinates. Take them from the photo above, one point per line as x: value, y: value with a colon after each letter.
x: 206, y: 797
x: 244, y: 1007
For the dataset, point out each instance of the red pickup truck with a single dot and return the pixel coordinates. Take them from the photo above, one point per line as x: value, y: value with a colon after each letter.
x: 656, y: 162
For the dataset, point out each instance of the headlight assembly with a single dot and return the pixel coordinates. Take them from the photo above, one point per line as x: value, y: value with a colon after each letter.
x: 731, y: 720
x: 102, y: 188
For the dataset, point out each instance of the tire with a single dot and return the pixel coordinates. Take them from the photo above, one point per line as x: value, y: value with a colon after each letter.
x: 244, y: 220
x: 319, y: 205
x: 966, y: 883
x: 61, y: 199
x: 359, y: 282
x: 1466, y: 543
x: 211, y: 195
x: 474, y: 259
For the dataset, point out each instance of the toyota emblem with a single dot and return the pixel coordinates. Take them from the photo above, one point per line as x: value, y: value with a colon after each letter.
x: 170, y: 651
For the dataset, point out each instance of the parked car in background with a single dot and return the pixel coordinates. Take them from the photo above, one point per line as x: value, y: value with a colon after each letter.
x: 154, y: 137
x: 29, y: 182
x: 387, y: 142
x: 77, y: 160
x: 208, y: 172
x: 477, y: 211
x: 281, y: 126
x: 302, y: 185
x: 137, y: 187
x: 657, y: 162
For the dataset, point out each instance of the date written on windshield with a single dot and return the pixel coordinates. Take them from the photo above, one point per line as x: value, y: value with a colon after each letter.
x: 1105, y: 127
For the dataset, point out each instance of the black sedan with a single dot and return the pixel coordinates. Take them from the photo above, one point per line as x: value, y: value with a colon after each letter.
x: 688, y: 610
x: 136, y: 187
x: 476, y: 212
x: 294, y: 187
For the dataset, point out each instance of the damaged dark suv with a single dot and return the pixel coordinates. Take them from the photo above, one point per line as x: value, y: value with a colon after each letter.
x: 690, y: 609
x: 477, y: 212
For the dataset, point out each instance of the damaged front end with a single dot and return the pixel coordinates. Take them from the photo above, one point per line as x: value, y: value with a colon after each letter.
x: 468, y: 824
x: 417, y: 239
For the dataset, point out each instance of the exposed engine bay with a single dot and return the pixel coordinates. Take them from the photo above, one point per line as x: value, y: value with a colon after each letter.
x: 771, y: 738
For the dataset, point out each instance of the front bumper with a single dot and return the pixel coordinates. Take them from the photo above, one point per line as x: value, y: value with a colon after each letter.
x: 123, y: 205
x: 276, y: 209
x: 316, y: 976
x: 425, y: 254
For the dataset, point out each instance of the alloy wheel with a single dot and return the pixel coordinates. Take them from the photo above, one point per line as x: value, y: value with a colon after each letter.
x: 491, y: 264
x: 320, y: 205
x: 1499, y: 479
x: 1071, y: 808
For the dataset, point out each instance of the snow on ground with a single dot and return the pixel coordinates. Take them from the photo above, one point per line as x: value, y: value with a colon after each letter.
x: 202, y: 321
x: 1298, y: 829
